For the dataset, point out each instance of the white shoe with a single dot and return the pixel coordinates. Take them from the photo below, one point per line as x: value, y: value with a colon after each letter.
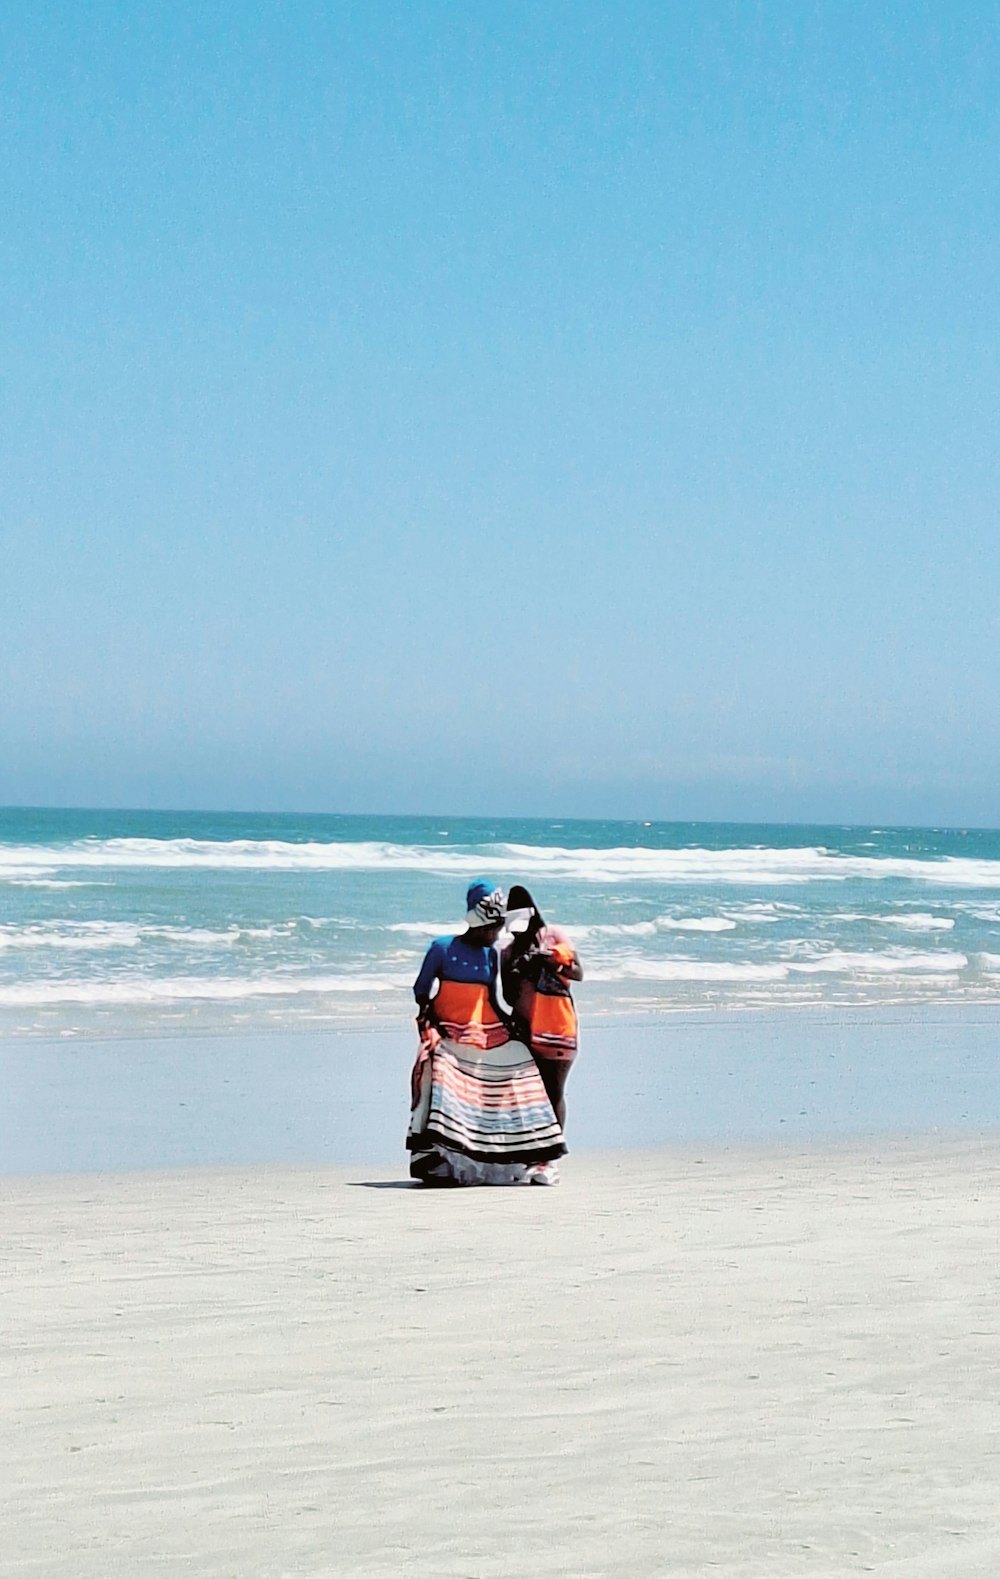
x: 545, y: 1173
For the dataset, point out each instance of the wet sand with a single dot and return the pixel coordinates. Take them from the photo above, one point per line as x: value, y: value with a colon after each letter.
x: 80, y: 1105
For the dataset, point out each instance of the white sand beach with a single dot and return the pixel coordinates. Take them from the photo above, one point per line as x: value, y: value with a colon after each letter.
x: 695, y: 1362
x: 498, y: 604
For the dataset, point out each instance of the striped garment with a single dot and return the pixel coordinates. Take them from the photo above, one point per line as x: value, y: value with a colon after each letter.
x: 483, y: 1103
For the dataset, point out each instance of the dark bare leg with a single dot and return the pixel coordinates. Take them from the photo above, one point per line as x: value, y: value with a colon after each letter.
x: 554, y: 1075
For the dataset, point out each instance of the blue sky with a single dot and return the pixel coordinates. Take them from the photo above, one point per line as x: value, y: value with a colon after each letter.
x: 572, y: 409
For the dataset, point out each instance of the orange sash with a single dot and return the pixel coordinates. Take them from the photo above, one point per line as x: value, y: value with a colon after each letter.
x: 465, y: 1014
x: 553, y: 1025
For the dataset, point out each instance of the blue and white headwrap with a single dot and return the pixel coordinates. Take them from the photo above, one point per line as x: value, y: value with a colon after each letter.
x: 486, y: 906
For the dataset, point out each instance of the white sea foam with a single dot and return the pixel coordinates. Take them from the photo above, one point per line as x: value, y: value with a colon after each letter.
x: 979, y: 912
x: 589, y: 930
x: 48, y: 882
x: 610, y: 929
x: 888, y: 962
x: 70, y: 935
x: 649, y: 929
x: 885, y: 962
x: 101, y: 935
x: 756, y: 865
x: 638, y: 969
x: 763, y: 912
x: 750, y: 866
x: 909, y: 921
x: 179, y: 989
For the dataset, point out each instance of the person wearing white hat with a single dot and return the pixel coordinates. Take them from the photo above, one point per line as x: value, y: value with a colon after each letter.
x: 480, y: 1113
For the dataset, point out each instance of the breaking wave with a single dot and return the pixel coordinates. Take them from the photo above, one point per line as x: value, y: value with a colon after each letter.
x: 755, y: 865
x: 889, y: 962
x: 39, y: 994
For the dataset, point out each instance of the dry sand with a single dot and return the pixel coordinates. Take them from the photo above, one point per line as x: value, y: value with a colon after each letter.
x: 757, y: 1364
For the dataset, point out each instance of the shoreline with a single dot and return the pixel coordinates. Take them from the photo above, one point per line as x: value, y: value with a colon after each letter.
x: 987, y: 1007
x: 319, y: 1098
x: 598, y: 1017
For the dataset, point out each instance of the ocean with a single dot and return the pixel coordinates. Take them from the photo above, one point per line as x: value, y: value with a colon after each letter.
x: 125, y: 923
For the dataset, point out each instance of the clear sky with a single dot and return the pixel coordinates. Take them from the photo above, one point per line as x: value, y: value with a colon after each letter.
x: 564, y: 408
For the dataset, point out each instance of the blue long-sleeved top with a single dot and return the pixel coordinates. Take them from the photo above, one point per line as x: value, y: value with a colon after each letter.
x: 453, y: 959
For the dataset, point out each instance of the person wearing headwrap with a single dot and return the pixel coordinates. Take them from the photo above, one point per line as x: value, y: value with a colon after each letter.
x: 536, y: 971
x: 479, y: 1109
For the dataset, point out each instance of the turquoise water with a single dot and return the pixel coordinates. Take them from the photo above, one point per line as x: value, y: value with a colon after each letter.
x: 123, y: 923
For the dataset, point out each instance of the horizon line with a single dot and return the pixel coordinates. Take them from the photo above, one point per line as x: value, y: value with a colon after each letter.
x: 873, y: 826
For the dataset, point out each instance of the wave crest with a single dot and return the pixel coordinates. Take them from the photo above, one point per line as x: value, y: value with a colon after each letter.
x: 755, y: 865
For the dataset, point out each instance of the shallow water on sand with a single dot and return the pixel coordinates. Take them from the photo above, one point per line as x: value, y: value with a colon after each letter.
x: 342, y: 1097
